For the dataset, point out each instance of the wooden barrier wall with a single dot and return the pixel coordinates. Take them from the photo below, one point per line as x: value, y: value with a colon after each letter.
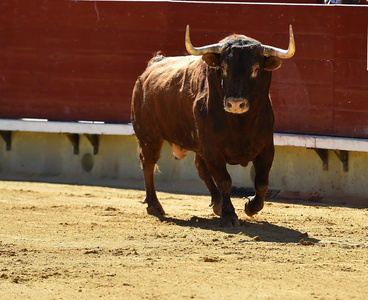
x: 78, y: 60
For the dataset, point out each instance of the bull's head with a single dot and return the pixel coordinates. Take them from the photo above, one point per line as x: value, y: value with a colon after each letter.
x: 242, y: 61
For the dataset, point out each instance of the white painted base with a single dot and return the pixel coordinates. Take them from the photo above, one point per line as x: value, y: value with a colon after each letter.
x: 87, y: 127
x: 40, y: 156
x: 81, y: 127
x: 321, y: 142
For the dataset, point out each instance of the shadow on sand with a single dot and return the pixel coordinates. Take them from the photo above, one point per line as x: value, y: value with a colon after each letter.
x: 266, y: 232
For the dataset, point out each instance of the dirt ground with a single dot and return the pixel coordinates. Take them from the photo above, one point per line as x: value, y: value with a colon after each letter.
x: 82, y: 242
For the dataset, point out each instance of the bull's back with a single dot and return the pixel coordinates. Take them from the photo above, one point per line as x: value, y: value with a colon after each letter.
x: 162, y: 102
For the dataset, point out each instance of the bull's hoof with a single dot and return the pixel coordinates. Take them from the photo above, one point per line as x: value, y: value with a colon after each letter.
x: 229, y: 221
x: 252, y: 207
x: 155, y: 209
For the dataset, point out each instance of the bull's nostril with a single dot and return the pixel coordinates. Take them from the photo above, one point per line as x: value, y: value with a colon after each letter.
x: 242, y: 105
x: 228, y: 104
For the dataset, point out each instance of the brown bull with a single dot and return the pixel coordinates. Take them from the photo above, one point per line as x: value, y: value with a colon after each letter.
x: 216, y: 103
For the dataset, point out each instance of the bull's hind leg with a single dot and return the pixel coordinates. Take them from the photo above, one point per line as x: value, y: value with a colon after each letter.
x: 149, y: 155
x: 204, y: 174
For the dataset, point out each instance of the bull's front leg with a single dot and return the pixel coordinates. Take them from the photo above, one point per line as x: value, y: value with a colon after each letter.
x: 223, y: 182
x: 262, y: 166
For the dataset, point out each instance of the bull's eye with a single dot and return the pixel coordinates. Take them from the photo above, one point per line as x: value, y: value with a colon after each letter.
x: 223, y: 69
x: 255, y: 70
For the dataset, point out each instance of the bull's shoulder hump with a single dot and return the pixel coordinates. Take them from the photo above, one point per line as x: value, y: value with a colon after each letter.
x: 178, y: 60
x: 173, y: 65
x: 185, y: 57
x: 172, y: 70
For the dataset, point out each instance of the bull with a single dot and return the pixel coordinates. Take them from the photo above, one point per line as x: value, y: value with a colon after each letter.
x: 214, y: 102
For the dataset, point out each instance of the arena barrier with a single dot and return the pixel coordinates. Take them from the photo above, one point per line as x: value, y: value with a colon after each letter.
x: 92, y: 130
x: 67, y: 70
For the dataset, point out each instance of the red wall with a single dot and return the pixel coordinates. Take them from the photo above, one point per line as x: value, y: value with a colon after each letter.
x: 67, y: 60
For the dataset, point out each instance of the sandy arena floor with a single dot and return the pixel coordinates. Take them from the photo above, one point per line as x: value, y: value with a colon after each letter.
x: 80, y: 242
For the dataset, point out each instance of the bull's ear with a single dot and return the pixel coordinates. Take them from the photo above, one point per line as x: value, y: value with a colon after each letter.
x: 211, y: 59
x: 272, y: 63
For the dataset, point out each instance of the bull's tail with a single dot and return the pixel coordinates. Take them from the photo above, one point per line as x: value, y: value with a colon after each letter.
x: 137, y: 94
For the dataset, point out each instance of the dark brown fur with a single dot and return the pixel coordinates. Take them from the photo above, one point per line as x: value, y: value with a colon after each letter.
x: 181, y: 100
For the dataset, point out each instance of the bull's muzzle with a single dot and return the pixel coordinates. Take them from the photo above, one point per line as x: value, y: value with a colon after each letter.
x: 236, y: 105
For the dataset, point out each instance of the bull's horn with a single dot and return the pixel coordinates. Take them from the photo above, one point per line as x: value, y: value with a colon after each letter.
x: 273, y: 51
x: 215, y: 48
